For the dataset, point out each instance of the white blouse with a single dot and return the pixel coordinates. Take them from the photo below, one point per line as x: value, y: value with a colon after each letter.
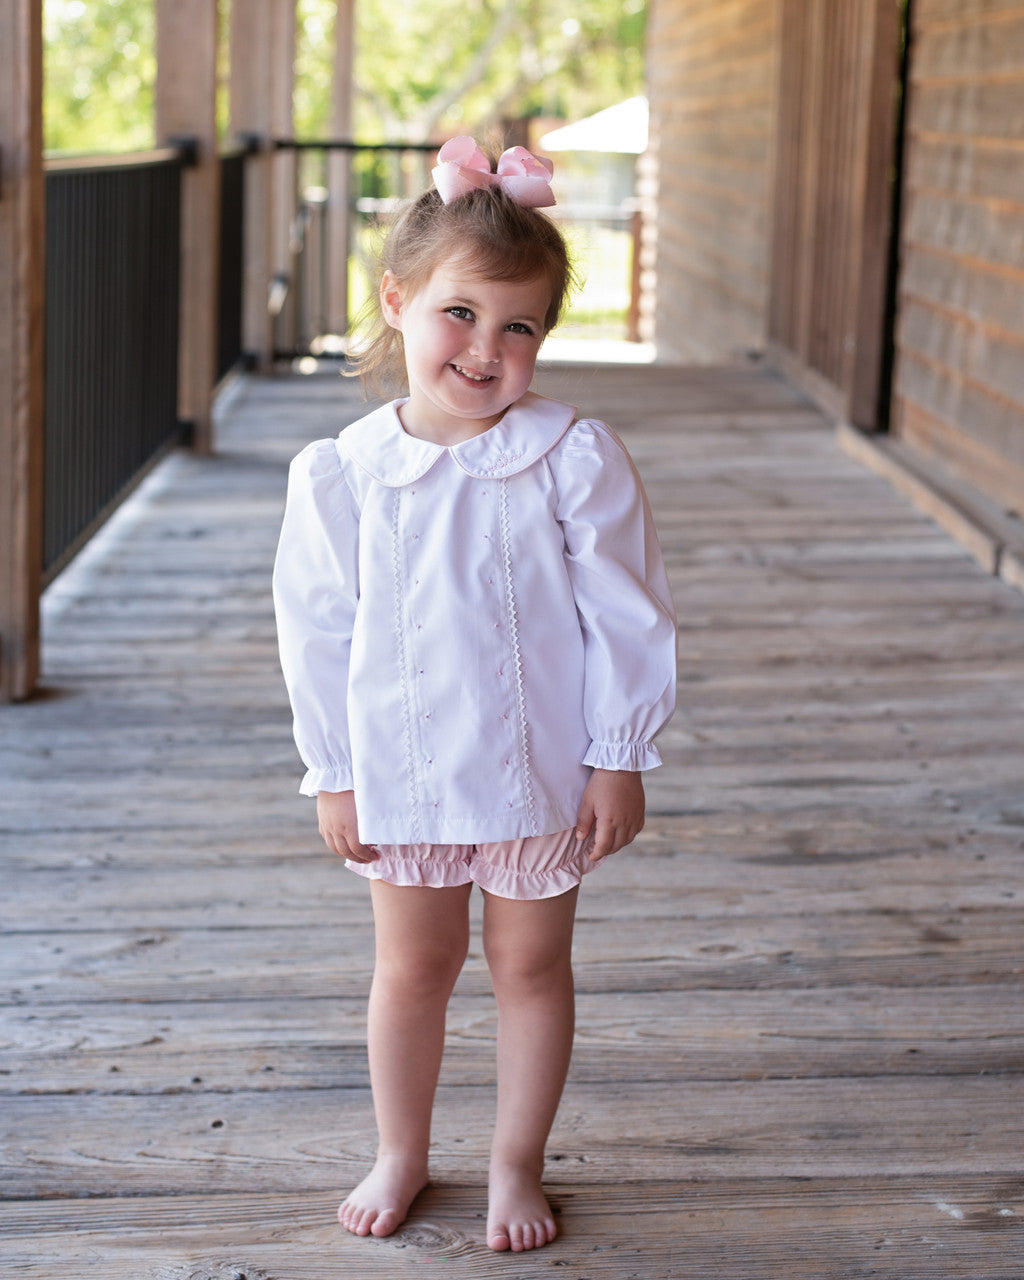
x: 466, y: 631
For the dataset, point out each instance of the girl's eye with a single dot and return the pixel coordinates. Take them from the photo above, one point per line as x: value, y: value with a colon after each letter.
x: 460, y: 313
x: 517, y: 326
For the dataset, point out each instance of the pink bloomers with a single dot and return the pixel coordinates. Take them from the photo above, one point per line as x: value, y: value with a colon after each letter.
x: 526, y: 869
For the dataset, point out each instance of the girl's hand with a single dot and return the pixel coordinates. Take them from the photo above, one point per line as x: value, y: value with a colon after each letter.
x: 612, y: 809
x: 336, y: 812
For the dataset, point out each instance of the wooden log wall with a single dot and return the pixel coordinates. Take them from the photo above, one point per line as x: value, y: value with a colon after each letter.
x: 959, y: 391
x: 711, y: 82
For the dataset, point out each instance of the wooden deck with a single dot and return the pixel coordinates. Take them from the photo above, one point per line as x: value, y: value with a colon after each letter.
x: 801, y: 1021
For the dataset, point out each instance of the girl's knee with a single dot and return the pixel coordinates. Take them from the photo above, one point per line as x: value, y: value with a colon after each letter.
x: 544, y: 966
x: 419, y: 972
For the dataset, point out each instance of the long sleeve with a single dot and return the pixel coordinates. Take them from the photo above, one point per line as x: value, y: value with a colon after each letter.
x: 316, y: 589
x: 622, y: 597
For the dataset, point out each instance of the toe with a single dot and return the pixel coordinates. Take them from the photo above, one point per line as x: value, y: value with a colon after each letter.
x: 498, y: 1240
x: 385, y: 1223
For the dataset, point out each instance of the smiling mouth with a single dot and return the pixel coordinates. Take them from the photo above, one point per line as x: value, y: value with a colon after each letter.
x: 473, y: 377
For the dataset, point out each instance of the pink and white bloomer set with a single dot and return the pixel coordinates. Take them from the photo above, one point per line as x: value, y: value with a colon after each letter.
x: 466, y: 631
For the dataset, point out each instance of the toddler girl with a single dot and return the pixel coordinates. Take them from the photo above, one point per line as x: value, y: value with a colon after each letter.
x: 479, y: 645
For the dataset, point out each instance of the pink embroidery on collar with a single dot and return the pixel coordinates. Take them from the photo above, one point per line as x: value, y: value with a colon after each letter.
x: 507, y: 458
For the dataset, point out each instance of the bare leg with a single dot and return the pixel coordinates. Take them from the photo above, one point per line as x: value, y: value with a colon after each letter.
x: 529, y: 951
x: 422, y: 936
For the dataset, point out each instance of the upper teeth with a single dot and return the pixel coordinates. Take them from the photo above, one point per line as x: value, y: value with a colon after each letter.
x: 477, y: 377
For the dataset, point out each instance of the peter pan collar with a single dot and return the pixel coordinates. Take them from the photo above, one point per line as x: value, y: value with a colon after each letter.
x: 529, y: 429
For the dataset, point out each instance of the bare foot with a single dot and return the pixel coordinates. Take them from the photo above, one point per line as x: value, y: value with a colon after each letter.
x: 519, y: 1215
x: 379, y: 1205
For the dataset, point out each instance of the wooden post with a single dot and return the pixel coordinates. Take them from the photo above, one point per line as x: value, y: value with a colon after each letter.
x: 339, y: 169
x: 21, y: 345
x: 284, y: 179
x: 262, y: 75
x: 186, y: 107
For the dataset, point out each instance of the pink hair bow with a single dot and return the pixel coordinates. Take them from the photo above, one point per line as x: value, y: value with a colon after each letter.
x: 462, y: 167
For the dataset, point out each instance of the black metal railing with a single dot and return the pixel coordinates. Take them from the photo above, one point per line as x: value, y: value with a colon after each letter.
x: 112, y: 297
x: 231, y: 259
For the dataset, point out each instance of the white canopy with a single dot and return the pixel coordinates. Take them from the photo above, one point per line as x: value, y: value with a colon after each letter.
x: 622, y: 128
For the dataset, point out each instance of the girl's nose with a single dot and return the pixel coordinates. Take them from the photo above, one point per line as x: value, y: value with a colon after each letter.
x: 484, y: 346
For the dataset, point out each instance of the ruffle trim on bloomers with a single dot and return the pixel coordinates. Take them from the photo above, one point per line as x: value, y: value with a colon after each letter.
x: 420, y: 866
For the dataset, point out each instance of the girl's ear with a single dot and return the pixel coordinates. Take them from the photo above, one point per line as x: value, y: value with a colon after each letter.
x: 391, y: 299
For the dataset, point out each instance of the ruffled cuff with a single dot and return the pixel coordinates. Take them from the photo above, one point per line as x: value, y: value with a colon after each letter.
x: 619, y: 756
x: 316, y: 780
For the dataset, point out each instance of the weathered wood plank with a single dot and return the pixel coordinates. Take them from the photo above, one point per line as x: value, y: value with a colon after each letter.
x: 268, y: 1043
x: 298, y: 1140
x: 293, y: 891
x: 741, y: 1229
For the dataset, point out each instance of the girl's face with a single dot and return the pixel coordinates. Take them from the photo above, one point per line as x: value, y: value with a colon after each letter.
x: 470, y: 348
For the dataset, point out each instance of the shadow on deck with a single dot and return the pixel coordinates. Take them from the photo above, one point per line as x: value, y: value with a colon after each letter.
x: 801, y: 1024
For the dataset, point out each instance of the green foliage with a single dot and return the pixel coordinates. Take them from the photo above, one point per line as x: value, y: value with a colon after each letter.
x: 423, y: 67
x: 100, y: 75
x: 430, y: 67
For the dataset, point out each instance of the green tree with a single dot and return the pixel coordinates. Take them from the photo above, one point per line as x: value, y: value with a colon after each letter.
x: 423, y: 67
x: 100, y: 75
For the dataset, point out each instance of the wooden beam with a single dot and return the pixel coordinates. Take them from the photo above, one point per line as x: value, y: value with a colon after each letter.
x: 252, y: 69
x: 21, y: 346
x: 186, y: 107
x: 284, y: 182
x: 339, y: 170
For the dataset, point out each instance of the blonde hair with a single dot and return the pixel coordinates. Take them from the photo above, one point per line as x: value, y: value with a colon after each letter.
x: 489, y: 235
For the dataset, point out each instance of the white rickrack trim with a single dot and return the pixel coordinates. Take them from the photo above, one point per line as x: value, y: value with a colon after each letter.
x: 513, y: 626
x: 410, y: 754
